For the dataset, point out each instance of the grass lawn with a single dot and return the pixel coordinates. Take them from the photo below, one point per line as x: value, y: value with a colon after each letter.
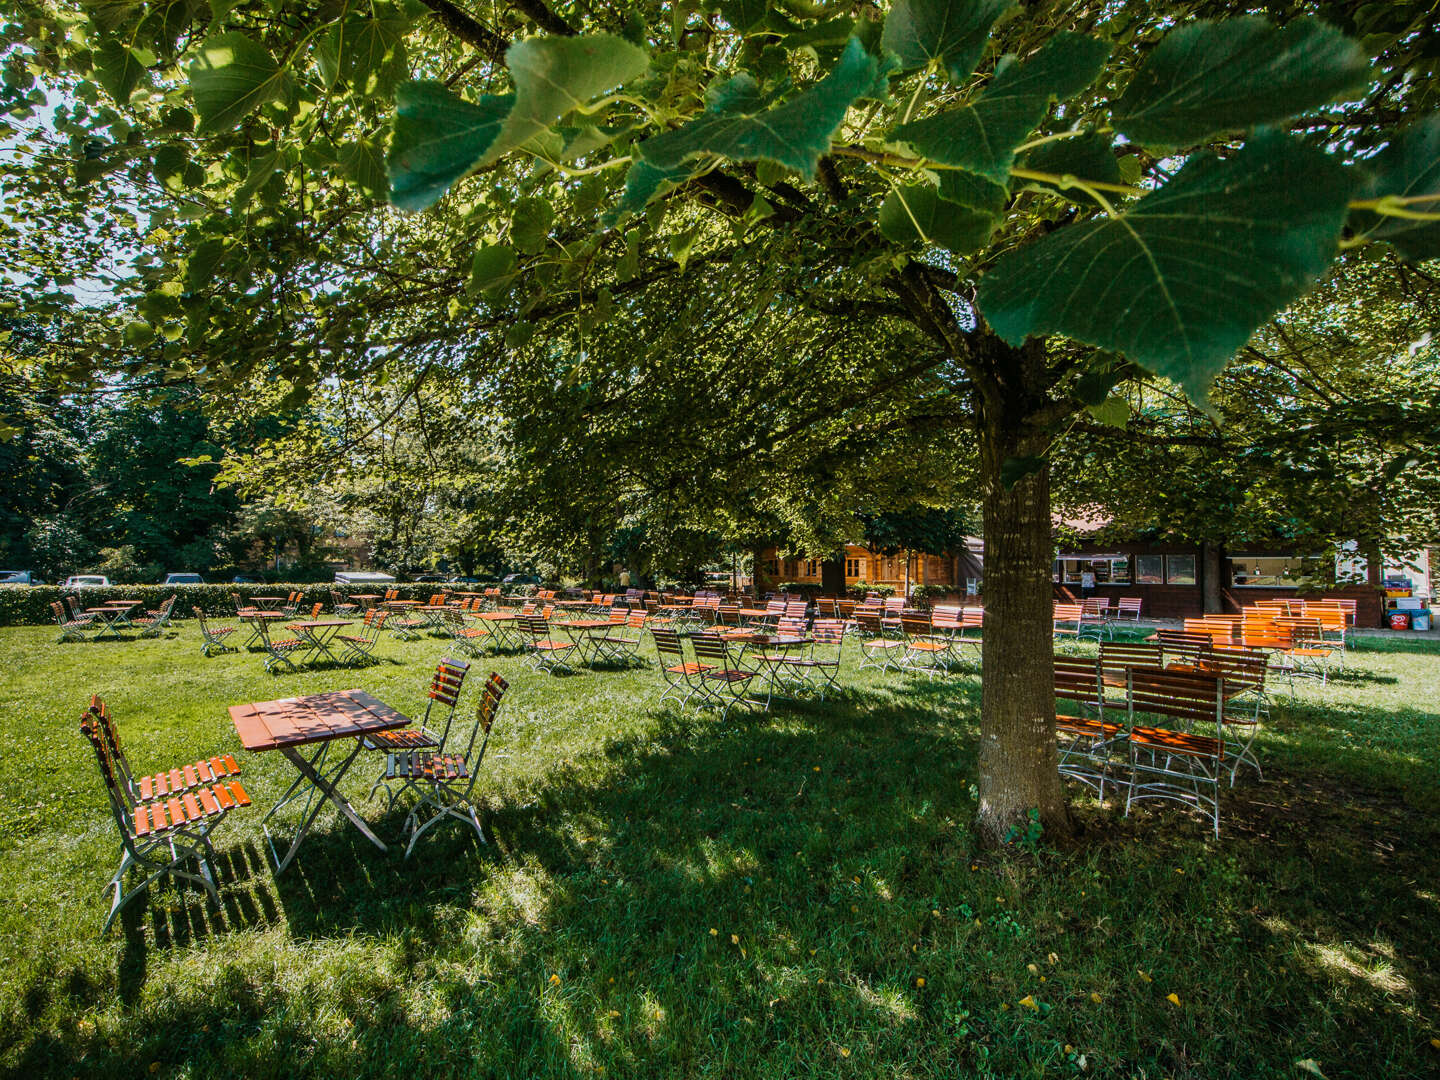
x: 795, y: 894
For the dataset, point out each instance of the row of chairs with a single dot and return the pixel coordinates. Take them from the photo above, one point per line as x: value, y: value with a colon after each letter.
x: 715, y: 677
x: 77, y: 624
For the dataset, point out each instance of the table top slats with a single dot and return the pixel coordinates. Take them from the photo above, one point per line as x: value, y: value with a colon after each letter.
x: 270, y: 725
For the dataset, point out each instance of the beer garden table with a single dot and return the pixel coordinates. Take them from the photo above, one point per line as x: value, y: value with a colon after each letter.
x: 317, y: 636
x: 115, y: 614
x: 317, y: 722
x: 268, y: 603
x: 257, y: 618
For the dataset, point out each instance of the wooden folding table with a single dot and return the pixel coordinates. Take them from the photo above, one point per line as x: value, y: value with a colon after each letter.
x: 317, y: 721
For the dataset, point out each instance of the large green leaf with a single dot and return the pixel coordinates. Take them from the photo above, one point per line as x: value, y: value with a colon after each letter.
x: 1407, y: 168
x: 917, y: 213
x: 642, y: 182
x: 554, y: 75
x: 1086, y: 157
x: 795, y: 134
x: 368, y: 50
x: 981, y: 137
x: 1182, y: 280
x: 438, y: 139
x: 979, y: 192
x: 1208, y: 77
x: 952, y: 32
x: 118, y: 69
x: 491, y: 269
x: 233, y: 76
x: 364, y: 163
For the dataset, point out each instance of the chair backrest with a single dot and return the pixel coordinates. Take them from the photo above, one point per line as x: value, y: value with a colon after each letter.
x: 619, y: 615
x: 775, y: 607
x: 729, y: 614
x: 1067, y: 618
x: 444, y: 691
x: 915, y: 625
x: 667, y: 642
x: 1129, y: 605
x: 1194, y: 697
x: 710, y: 647
x: 374, y: 620
x: 894, y: 605
x: 58, y: 610
x: 828, y: 631
x: 1077, y: 678
x: 825, y: 607
x: 100, y: 714
x: 636, y: 620
x: 1095, y: 605
x: 491, y: 695
x: 796, y: 609
x: 75, y: 609
x: 869, y: 621
x: 315, y: 610
x: 1119, y: 655
x: 1242, y: 669
x: 200, y: 617
x: 791, y: 627
x: 845, y: 608
x: 1181, y: 646
x: 239, y: 604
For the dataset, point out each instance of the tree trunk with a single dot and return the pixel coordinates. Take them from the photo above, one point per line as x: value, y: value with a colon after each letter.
x: 1018, y: 758
x: 832, y: 575
x: 1212, y: 602
x: 758, y: 578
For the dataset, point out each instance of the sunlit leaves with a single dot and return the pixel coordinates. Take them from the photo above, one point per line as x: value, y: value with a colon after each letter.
x: 555, y: 75
x: 492, y: 267
x: 438, y: 139
x: 118, y: 69
x: 917, y: 213
x: 367, y: 51
x: 1404, y: 171
x: 1208, y: 77
x: 362, y: 162
x: 981, y: 137
x: 1182, y: 280
x: 233, y: 76
x: 951, y: 33
x: 795, y: 133
x: 642, y: 182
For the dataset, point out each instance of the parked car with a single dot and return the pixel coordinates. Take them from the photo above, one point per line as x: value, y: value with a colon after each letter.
x: 520, y: 579
x: 20, y: 577
x: 244, y: 579
x: 363, y: 577
x: 87, y: 581
x: 183, y: 579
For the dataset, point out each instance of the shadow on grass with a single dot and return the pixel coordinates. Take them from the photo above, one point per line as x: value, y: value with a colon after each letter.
x: 832, y: 840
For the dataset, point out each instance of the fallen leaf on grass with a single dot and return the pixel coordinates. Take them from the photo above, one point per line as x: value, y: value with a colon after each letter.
x: 1174, y: 999
x: 1029, y: 1003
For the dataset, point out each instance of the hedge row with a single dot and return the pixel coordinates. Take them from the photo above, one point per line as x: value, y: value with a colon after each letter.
x: 29, y: 605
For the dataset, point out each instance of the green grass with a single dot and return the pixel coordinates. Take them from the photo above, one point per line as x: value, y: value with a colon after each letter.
x: 759, y: 898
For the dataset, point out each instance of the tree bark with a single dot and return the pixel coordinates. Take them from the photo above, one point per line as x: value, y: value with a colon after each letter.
x: 759, y: 580
x: 1018, y: 766
x: 832, y: 575
x: 1212, y: 602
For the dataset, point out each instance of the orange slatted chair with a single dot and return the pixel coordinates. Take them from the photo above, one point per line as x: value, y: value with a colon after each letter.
x: 444, y: 693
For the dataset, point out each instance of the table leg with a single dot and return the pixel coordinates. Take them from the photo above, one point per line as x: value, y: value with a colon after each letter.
x: 310, y: 769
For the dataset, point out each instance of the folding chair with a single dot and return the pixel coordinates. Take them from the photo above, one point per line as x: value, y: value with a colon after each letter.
x: 1177, y: 763
x: 546, y: 653
x: 277, y: 650
x: 401, y: 744
x: 823, y: 658
x: 154, y: 623
x: 447, y: 781
x: 1247, y: 702
x: 1085, y: 740
x: 923, y: 650
x: 360, y: 648
x: 1127, y: 609
x: 681, y: 677
x: 71, y: 629
x: 1095, y: 618
x: 213, y: 637
x: 167, y: 782
x: 722, y: 682
x: 469, y: 638
x: 1066, y: 620
x: 1118, y: 657
x: 621, y: 644
x: 877, y: 647
x: 1181, y: 649
x: 159, y: 836
x: 1306, y: 653
x: 341, y: 606
x: 77, y: 613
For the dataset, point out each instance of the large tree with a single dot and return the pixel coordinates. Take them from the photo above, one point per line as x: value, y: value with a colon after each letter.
x: 1043, y: 192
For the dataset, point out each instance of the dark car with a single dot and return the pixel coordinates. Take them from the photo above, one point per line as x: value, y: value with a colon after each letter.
x: 520, y: 579
x: 20, y: 577
x: 244, y: 579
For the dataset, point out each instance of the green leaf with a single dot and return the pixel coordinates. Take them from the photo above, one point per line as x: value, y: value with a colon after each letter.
x: 233, y: 77
x: 118, y: 69
x: 914, y: 214
x: 1209, y: 77
x: 438, y: 139
x: 200, y: 266
x: 491, y: 268
x: 743, y: 15
x: 554, y: 75
x: 261, y: 170
x: 1089, y: 157
x: 795, y: 134
x: 951, y: 32
x: 642, y: 182
x: 1013, y: 470
x: 363, y: 163
x: 979, y: 192
x: 981, y: 137
x: 1182, y: 280
x: 369, y: 51
x: 138, y: 334
x: 530, y: 225
x: 1407, y: 168
x: 1112, y: 412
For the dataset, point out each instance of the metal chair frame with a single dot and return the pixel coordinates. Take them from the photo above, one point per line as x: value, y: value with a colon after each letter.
x: 402, y: 744
x: 1174, y: 764
x: 681, y: 677
x: 213, y: 637
x: 447, y: 781
x: 360, y: 648
x: 723, y: 683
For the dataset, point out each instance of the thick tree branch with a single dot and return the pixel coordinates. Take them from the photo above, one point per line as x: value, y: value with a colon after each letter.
x: 544, y: 18
x: 468, y: 29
